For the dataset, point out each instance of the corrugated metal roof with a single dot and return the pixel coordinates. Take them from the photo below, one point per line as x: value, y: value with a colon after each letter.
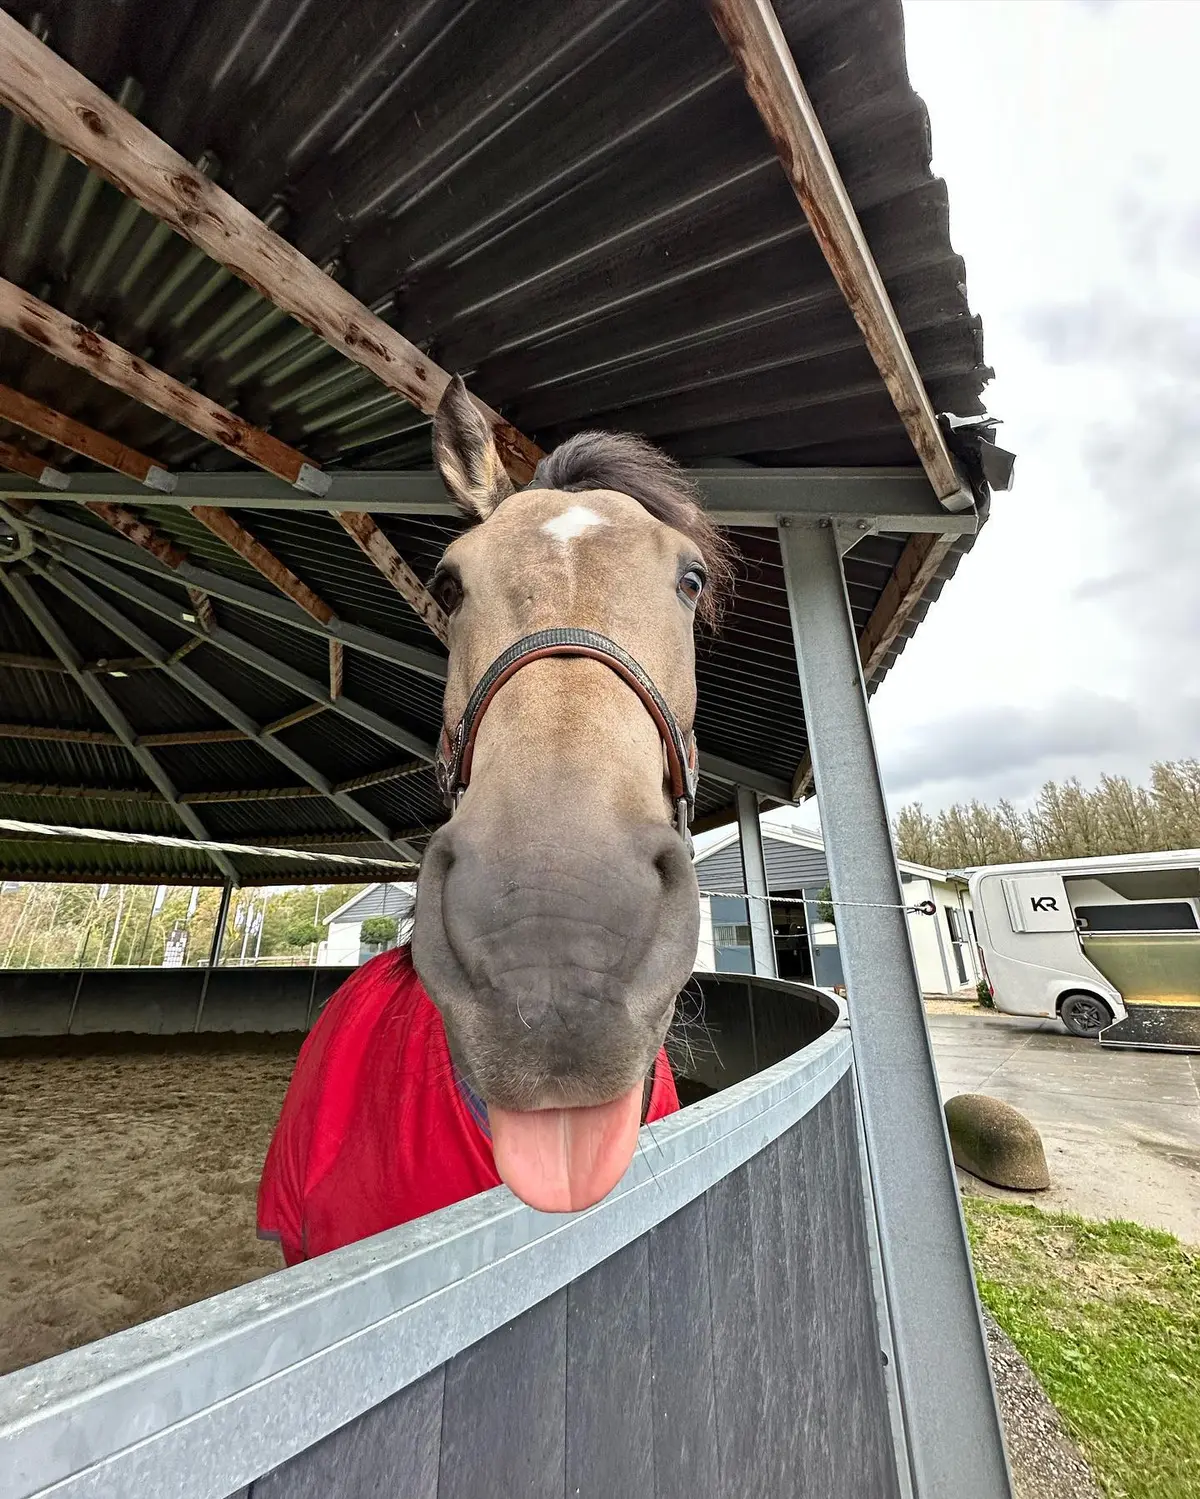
x: 582, y: 212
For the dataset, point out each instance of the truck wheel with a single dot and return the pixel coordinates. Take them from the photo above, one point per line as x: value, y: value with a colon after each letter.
x: 1084, y: 1014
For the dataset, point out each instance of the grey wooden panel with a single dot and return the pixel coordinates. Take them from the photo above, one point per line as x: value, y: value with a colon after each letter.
x: 738, y: 1374
x: 389, y: 1451
x: 783, y: 1024
x: 781, y: 1437
x: 798, y: 1155
x: 870, y: 1402
x: 610, y: 1432
x: 852, y: 1361
x: 503, y: 1419
x: 789, y: 867
x: 723, y: 1051
x: 685, y: 1418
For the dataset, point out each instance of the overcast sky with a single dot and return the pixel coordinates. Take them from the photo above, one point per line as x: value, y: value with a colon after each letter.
x: 1069, y: 641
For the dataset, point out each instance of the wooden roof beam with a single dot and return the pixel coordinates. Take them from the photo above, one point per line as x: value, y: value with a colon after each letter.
x: 176, y: 737
x: 56, y: 427
x: 52, y: 96
x: 73, y: 343
x: 83, y: 793
x: 263, y: 561
x: 126, y: 523
x: 394, y: 568
x: 759, y: 49
x: 19, y: 461
x: 21, y: 661
x: 43, y: 732
x: 206, y: 618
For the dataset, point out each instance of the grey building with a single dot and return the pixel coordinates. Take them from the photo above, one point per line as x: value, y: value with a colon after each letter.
x: 806, y: 946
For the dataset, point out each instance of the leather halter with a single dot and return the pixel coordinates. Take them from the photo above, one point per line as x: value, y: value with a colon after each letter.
x: 455, y: 752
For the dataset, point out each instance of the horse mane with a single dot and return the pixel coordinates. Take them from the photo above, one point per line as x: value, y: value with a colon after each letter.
x: 630, y: 465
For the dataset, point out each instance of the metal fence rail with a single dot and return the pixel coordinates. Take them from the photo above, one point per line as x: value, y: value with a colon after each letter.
x: 215, y: 1397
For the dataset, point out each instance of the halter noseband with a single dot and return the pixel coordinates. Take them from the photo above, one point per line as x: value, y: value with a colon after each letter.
x: 455, y: 752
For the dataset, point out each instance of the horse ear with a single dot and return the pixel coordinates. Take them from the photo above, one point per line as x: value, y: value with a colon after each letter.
x: 466, y: 455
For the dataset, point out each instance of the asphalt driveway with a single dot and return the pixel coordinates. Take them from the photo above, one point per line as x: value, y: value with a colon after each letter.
x: 1121, y: 1129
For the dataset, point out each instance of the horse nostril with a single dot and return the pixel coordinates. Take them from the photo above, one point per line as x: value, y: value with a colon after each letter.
x: 671, y: 861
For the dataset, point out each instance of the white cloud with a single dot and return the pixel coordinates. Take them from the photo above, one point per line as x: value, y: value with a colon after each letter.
x: 1068, y: 642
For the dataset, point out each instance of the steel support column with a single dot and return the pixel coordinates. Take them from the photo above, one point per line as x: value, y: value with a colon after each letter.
x: 952, y: 1423
x: 214, y: 949
x: 754, y: 867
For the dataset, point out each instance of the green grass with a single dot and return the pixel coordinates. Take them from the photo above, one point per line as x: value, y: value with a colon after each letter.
x: 1108, y: 1317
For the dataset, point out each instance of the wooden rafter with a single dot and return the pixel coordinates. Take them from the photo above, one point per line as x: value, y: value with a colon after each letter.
x: 380, y: 777
x: 251, y: 794
x: 394, y: 568
x: 44, y: 90
x: 298, y: 715
x: 192, y: 736
x: 263, y: 560
x: 751, y: 31
x: 133, y: 528
x: 40, y: 87
x: 55, y: 426
x: 337, y: 669
x: 37, y: 731
x: 21, y: 661
x: 19, y: 461
x: 189, y: 645
x: 73, y: 343
x: 206, y: 618
x: 334, y: 840
x: 83, y: 793
x: 912, y: 575
x: 361, y: 527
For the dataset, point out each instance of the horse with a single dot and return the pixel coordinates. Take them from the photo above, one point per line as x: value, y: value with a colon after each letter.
x: 557, y: 909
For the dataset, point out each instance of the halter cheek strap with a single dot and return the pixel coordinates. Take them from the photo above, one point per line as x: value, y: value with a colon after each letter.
x: 456, y: 751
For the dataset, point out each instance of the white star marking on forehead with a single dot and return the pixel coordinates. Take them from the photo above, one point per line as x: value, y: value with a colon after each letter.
x: 572, y: 523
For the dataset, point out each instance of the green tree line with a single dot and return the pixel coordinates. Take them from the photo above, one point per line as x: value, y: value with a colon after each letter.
x: 98, y: 926
x: 1067, y: 821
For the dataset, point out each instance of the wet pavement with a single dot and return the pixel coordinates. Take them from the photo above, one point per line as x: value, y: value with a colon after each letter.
x: 1121, y: 1129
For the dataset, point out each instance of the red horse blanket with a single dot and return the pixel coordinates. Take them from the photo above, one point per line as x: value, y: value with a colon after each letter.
x: 377, y: 1127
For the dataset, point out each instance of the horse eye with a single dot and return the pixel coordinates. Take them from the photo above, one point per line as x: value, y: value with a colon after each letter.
x: 691, y: 585
x: 447, y: 591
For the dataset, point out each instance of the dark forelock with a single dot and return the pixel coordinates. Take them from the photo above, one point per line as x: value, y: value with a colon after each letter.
x: 630, y: 465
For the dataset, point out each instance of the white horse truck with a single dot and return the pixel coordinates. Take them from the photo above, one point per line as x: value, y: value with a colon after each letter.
x: 1111, y: 946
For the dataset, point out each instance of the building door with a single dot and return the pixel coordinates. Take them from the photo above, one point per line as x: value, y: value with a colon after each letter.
x: 958, y: 941
x: 793, y: 955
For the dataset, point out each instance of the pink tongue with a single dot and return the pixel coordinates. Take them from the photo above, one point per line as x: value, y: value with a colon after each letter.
x: 562, y: 1160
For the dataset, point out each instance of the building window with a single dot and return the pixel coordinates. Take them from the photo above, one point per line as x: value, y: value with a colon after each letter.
x: 731, y: 934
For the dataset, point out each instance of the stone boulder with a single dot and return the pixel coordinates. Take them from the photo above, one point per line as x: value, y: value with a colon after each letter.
x: 993, y: 1141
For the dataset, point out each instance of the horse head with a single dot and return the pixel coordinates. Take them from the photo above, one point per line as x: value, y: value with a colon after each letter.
x: 557, y: 911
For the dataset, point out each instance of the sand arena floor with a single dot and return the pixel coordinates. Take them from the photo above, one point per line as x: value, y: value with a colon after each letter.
x: 128, y: 1174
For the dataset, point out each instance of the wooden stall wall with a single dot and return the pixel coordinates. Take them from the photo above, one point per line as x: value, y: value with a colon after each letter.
x: 731, y: 1352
